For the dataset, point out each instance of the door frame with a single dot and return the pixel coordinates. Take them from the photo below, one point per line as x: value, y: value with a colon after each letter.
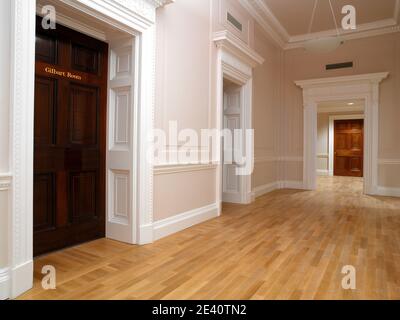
x: 235, y: 62
x: 139, y: 22
x: 332, y: 137
x: 315, y: 91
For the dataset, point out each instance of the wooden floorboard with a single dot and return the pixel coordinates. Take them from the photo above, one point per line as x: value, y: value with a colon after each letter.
x: 289, y: 244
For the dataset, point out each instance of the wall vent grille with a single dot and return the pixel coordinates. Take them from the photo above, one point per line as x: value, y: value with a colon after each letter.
x: 341, y: 65
x: 235, y: 22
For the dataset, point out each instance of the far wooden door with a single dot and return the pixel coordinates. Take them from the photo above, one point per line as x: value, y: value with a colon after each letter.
x: 70, y: 139
x: 349, y: 148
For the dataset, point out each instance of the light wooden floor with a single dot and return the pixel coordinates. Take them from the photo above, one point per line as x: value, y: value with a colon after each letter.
x: 287, y: 245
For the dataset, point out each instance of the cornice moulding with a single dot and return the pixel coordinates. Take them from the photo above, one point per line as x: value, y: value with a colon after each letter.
x: 371, y: 77
x: 231, y: 43
x: 274, y: 29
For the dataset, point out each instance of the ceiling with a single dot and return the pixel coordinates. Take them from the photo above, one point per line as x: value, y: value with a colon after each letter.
x: 287, y: 21
x: 341, y: 106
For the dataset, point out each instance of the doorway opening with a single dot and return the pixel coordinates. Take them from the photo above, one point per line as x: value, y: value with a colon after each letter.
x: 364, y: 87
x: 69, y: 138
x: 85, y: 132
x: 340, y: 144
x: 232, y: 183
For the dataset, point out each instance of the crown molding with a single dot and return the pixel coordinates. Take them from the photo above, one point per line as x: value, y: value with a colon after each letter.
x: 231, y: 43
x: 275, y: 30
x: 266, y: 19
x: 160, y: 3
x: 370, y: 77
x: 365, y: 30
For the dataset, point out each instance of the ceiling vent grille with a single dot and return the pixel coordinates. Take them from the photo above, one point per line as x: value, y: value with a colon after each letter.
x: 341, y: 65
x: 235, y: 22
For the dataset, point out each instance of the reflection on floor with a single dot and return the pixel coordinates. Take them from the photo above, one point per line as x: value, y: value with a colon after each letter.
x: 289, y: 244
x: 341, y: 184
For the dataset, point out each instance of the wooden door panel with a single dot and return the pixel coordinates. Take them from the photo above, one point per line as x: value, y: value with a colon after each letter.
x: 45, y: 95
x: 83, y: 122
x: 349, y: 148
x: 85, y: 59
x: 46, y: 48
x: 44, y: 209
x: 70, y: 139
x: 83, y: 196
x: 341, y: 141
x: 356, y: 142
x: 355, y: 165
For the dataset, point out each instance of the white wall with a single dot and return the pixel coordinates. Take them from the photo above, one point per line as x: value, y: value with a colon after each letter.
x: 5, y: 30
x: 186, y: 91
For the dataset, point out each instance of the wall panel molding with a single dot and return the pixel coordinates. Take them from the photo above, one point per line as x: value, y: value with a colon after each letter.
x: 5, y: 181
x: 389, y: 161
x: 181, y: 168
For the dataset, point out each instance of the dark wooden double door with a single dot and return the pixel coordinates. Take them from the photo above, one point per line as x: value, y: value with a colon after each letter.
x: 69, y: 139
x: 349, y: 148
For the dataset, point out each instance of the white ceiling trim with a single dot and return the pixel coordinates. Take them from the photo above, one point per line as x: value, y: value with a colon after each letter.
x: 271, y: 25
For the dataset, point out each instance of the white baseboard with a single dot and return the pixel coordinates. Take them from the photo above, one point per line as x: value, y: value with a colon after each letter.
x: 4, y: 284
x: 266, y: 188
x: 232, y: 197
x: 323, y: 172
x: 146, y: 234
x: 388, y: 192
x: 297, y: 185
x: 22, y: 279
x: 166, y: 227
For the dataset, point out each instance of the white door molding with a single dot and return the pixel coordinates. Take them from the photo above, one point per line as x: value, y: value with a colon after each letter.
x: 133, y: 17
x: 235, y: 62
x: 364, y: 87
x: 331, y: 136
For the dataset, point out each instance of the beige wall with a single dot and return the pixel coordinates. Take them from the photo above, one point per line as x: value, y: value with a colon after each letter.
x: 370, y: 55
x: 183, y: 94
x: 186, y: 92
x: 266, y: 110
